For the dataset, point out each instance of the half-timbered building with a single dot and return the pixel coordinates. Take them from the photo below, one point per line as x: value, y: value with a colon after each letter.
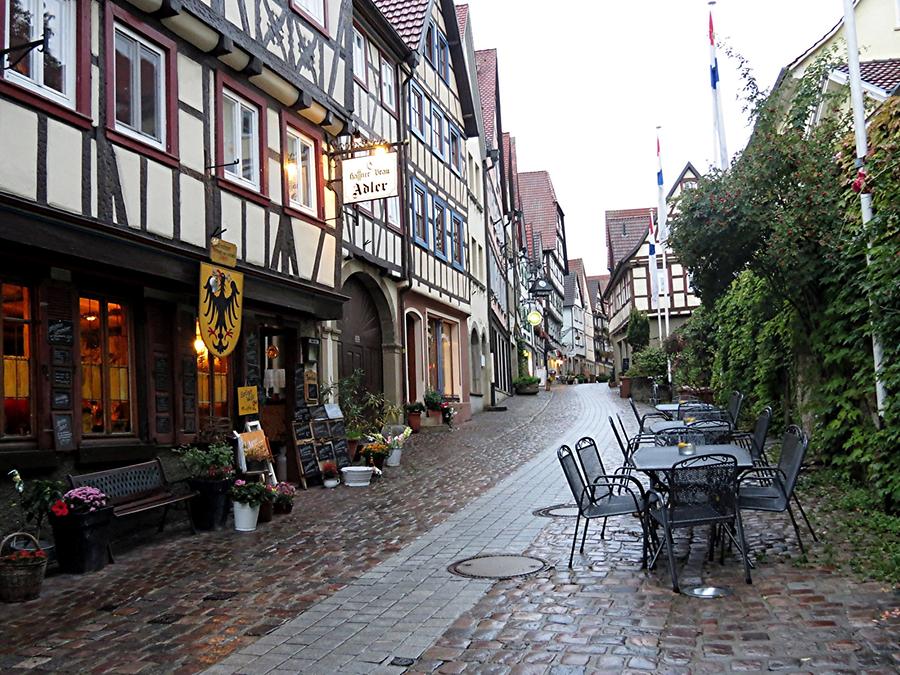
x: 437, y: 100
x: 145, y: 129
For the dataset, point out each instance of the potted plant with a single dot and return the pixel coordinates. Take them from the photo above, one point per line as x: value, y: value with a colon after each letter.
x: 35, y: 500
x: 81, y: 524
x: 433, y: 400
x: 21, y: 572
x: 394, y: 444
x: 246, y: 497
x: 284, y: 497
x: 414, y: 412
x: 527, y: 385
x: 210, y: 471
x: 448, y: 412
x: 330, y: 475
x: 267, y: 506
x: 355, y: 432
x: 374, y: 453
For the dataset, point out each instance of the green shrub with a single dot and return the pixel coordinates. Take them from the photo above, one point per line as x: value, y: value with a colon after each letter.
x: 650, y: 362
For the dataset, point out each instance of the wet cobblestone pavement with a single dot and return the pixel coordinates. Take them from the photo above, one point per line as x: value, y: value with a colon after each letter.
x: 355, y: 581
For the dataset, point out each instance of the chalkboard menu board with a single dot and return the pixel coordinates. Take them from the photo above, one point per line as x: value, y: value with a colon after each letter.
x: 321, y: 429
x: 60, y: 332
x: 301, y: 431
x: 341, y: 452
x: 63, y: 434
x: 325, y: 453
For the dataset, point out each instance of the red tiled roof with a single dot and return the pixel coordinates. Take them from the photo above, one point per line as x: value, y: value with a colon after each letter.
x: 407, y: 17
x: 597, y: 284
x: 576, y: 271
x: 539, y: 205
x: 486, y: 67
x: 462, y: 18
x: 625, y: 230
x: 884, y: 74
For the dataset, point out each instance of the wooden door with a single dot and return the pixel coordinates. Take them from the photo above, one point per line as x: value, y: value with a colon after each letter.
x: 361, y: 339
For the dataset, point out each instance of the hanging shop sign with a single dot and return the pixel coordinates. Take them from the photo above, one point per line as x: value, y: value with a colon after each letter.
x: 221, y: 301
x: 248, y: 401
x: 370, y: 177
x: 534, y: 317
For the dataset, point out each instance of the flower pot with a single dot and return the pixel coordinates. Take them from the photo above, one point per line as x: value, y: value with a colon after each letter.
x: 624, y: 386
x: 245, y: 517
x: 209, y: 509
x: 393, y: 459
x: 352, y: 448
x: 283, y: 507
x: 357, y: 476
x: 21, y: 581
x: 528, y: 389
x: 414, y: 419
x: 266, y: 511
x: 82, y: 540
x: 331, y: 482
x: 377, y: 461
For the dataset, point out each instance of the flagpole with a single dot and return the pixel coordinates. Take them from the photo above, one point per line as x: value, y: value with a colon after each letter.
x: 718, y: 117
x: 662, y: 230
x: 865, y: 198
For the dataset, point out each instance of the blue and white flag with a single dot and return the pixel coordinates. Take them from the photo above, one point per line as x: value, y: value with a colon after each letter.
x: 652, y: 269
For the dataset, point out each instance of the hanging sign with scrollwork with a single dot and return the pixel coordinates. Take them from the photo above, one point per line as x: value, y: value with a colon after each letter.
x: 221, y: 302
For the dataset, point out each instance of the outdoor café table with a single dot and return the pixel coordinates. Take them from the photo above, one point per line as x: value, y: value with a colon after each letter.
x: 661, y: 458
x: 654, y: 427
x: 670, y: 409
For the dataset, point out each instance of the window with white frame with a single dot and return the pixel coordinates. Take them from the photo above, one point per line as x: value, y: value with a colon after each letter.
x: 51, y: 71
x: 457, y: 240
x: 437, y: 131
x: 300, y: 166
x: 417, y: 112
x: 359, y: 56
x: 373, y: 63
x: 240, y: 140
x: 314, y: 8
x: 439, y: 219
x: 392, y: 210
x: 140, y: 87
x: 388, y: 87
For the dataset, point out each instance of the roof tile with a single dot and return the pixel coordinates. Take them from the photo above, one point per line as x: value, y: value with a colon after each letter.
x: 486, y: 67
x: 407, y: 17
x: 539, y: 205
x: 462, y: 17
x: 625, y: 230
x: 884, y: 74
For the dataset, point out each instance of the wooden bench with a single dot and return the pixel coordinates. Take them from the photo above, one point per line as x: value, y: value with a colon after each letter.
x: 135, y: 489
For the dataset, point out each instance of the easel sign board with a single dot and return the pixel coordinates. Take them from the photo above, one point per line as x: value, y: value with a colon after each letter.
x: 257, y: 441
x: 325, y: 453
x: 304, y: 451
x: 321, y: 429
x: 333, y: 411
x: 341, y: 452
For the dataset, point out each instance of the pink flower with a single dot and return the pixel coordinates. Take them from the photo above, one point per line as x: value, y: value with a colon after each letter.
x: 239, y: 482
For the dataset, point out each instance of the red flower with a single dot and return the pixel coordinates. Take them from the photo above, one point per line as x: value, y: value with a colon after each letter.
x: 60, y: 508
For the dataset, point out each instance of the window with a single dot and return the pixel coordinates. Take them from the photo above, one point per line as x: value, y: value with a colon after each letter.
x: 240, y: 140
x: 105, y: 367
x: 359, y: 56
x: 429, y: 44
x: 456, y: 159
x: 139, y: 76
x: 442, y: 60
x: 388, y: 90
x: 300, y: 167
x: 50, y: 72
x: 314, y: 9
x: 439, y: 219
x: 457, y: 240
x: 15, y: 317
x: 441, y: 351
x: 374, y: 70
x: 392, y: 210
x: 420, y: 217
x: 212, y: 384
x: 417, y: 111
x: 437, y: 131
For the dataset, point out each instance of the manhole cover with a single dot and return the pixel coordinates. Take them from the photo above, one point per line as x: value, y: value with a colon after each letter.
x: 707, y: 591
x: 557, y: 511
x: 497, y: 566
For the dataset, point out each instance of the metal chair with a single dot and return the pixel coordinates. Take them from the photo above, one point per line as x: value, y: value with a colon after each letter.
x: 756, y: 441
x: 702, y: 491
x: 634, y: 442
x: 769, y: 488
x: 703, y: 432
x: 641, y: 419
x: 606, y: 496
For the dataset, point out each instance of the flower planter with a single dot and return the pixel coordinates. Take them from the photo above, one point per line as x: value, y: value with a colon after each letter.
x: 393, y: 459
x: 352, y: 448
x: 266, y: 512
x: 377, y: 461
x: 245, y: 517
x: 357, y: 476
x: 82, y: 540
x: 528, y: 389
x: 414, y: 420
x: 283, y: 507
x: 330, y: 482
x: 624, y: 386
x: 21, y: 581
x: 209, y: 509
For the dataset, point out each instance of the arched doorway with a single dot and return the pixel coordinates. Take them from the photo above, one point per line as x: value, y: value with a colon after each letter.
x: 361, y: 338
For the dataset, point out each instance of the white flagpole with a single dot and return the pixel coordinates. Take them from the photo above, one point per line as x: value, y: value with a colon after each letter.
x: 859, y: 123
x: 718, y: 120
x: 662, y: 229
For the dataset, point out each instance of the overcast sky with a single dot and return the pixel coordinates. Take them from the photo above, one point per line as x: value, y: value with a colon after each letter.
x: 585, y: 83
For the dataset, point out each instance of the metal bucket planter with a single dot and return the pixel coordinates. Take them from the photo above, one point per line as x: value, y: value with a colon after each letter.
x: 209, y: 509
x: 21, y: 581
x: 266, y: 512
x: 245, y: 517
x: 357, y: 476
x: 393, y: 459
x: 82, y: 540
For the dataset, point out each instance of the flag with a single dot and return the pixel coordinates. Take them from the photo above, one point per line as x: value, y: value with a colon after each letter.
x: 662, y: 229
x: 718, y: 123
x: 653, y: 271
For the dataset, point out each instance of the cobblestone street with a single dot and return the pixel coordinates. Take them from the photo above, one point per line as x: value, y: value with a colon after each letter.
x: 356, y: 581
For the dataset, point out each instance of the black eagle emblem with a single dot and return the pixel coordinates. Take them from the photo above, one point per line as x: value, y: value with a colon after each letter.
x: 221, y: 309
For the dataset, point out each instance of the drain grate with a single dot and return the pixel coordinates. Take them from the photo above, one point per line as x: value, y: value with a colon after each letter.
x: 497, y: 566
x: 557, y: 511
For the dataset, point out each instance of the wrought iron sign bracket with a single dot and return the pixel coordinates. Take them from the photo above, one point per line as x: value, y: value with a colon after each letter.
x: 353, y: 146
x: 222, y: 166
x: 25, y: 48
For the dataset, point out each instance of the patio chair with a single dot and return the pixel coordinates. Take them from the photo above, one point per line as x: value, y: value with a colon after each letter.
x: 634, y: 442
x: 771, y: 488
x: 756, y: 441
x: 606, y: 496
x: 703, y: 432
x: 624, y: 447
x: 701, y: 491
x: 641, y: 419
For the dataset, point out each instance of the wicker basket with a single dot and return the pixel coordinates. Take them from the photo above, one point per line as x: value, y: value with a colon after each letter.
x: 21, y: 581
